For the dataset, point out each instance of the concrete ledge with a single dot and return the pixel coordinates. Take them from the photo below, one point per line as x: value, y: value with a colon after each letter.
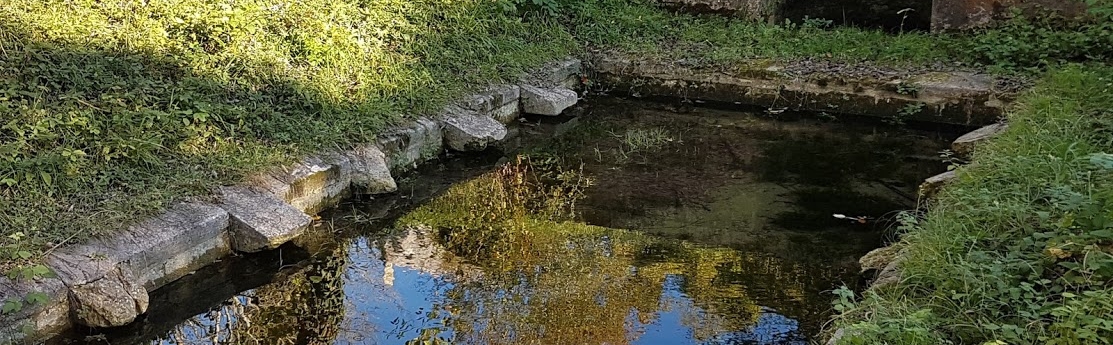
x: 259, y: 220
x: 965, y: 145
x: 954, y: 98
x: 311, y: 185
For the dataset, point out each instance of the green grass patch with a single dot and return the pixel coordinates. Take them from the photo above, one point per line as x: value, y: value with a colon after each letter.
x: 110, y: 110
x: 1019, y: 249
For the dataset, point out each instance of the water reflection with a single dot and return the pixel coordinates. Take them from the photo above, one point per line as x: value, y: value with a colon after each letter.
x: 673, y: 232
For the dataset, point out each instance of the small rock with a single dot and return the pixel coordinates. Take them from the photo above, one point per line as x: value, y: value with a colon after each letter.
x: 878, y: 258
x: 370, y: 172
x: 964, y: 145
x: 468, y: 131
x: 838, y: 335
x: 933, y: 184
x: 543, y: 101
x: 259, y: 220
x: 891, y: 274
x: 112, y: 301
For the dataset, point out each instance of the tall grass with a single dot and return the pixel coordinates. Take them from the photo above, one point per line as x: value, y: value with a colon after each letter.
x: 1020, y: 248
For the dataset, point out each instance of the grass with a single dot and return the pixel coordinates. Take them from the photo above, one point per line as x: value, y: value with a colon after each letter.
x: 112, y: 110
x: 1019, y: 249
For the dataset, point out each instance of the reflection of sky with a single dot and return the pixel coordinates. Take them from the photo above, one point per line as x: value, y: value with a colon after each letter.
x: 669, y: 327
x: 397, y: 305
x: 392, y: 314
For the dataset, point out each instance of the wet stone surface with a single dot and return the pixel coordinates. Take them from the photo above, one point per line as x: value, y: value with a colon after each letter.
x: 639, y: 225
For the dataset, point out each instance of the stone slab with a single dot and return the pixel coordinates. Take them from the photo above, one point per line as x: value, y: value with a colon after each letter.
x: 311, y: 185
x: 260, y: 221
x: 114, y: 300
x: 547, y: 101
x: 964, y: 146
x: 370, y: 171
x: 563, y: 73
x: 491, y: 98
x: 933, y: 184
x: 469, y: 131
x: 408, y: 145
x: 156, y: 251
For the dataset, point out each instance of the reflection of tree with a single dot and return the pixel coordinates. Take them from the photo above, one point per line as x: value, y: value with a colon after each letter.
x: 306, y: 307
x: 551, y: 281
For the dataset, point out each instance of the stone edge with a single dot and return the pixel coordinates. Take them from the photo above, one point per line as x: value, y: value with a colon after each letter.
x: 310, y: 185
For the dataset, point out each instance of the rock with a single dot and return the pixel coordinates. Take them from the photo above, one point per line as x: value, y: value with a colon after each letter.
x: 933, y: 184
x: 492, y: 98
x: 563, y: 74
x: 111, y: 301
x: 311, y: 185
x: 890, y: 274
x: 838, y: 335
x: 43, y: 319
x: 964, y: 145
x: 878, y: 258
x: 370, y: 172
x: 259, y: 220
x: 406, y: 146
x: 955, y: 15
x: 468, y: 131
x: 547, y: 101
x: 157, y: 251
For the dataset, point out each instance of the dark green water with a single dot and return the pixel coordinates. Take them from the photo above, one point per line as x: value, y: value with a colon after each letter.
x: 638, y: 225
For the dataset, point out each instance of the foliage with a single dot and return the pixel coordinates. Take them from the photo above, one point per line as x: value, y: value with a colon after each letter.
x: 496, y: 208
x: 1047, y: 39
x: 1019, y: 249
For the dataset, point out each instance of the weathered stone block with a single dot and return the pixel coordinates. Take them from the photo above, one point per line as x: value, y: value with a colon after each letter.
x: 878, y: 258
x: 157, y: 251
x: 370, y: 172
x: 955, y: 15
x: 964, y: 145
x: 507, y: 113
x: 933, y: 184
x: 564, y: 74
x: 406, y: 146
x: 547, y: 101
x: 491, y: 98
x: 259, y: 220
x: 38, y: 320
x: 311, y: 185
x: 115, y: 299
x: 469, y: 131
